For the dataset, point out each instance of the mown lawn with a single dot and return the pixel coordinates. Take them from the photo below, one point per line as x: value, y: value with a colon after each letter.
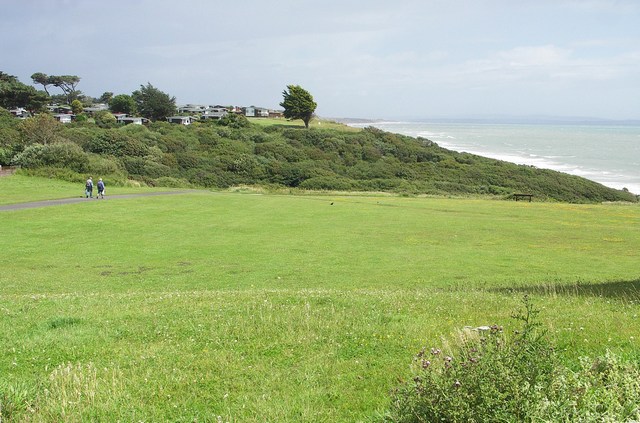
x: 297, y: 123
x: 22, y: 189
x: 238, y: 307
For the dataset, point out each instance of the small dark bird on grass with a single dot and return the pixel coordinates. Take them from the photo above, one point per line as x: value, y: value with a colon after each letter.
x: 332, y: 204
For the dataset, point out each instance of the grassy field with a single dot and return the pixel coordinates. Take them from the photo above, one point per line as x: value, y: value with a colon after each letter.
x: 315, y: 123
x: 22, y: 189
x: 238, y: 307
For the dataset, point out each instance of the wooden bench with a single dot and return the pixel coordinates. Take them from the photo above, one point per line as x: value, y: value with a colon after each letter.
x: 519, y: 197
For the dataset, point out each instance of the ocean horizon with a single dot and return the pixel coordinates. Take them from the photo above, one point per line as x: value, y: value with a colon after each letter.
x: 602, y: 151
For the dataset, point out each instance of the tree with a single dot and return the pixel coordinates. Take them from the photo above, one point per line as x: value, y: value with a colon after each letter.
x: 105, y: 97
x: 42, y: 79
x: 298, y: 104
x: 122, y: 103
x: 104, y: 119
x: 14, y: 93
x: 76, y: 107
x: 5, y: 77
x: 67, y: 83
x: 40, y: 129
x: 153, y: 103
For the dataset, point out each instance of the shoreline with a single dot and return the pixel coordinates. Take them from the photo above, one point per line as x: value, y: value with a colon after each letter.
x: 449, y: 140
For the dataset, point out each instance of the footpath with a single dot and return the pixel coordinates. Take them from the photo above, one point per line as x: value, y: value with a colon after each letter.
x: 47, y: 203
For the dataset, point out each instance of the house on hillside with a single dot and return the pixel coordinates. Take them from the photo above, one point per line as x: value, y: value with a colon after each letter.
x: 181, y: 120
x: 191, y: 109
x: 20, y: 113
x: 214, y: 113
x: 95, y: 108
x: 130, y: 120
x: 253, y: 111
x: 57, y: 109
x: 63, y: 117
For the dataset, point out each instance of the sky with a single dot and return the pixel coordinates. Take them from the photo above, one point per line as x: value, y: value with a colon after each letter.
x: 401, y: 59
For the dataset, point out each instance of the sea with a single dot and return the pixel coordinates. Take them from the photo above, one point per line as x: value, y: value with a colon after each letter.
x: 602, y: 152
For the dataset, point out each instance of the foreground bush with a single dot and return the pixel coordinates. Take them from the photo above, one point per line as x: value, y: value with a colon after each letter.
x: 487, y: 376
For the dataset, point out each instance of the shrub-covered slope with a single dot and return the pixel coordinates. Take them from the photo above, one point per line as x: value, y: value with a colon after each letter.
x: 234, y: 152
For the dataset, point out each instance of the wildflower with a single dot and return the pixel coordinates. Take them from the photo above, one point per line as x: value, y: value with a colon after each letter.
x: 435, y: 351
x: 426, y: 364
x: 457, y: 384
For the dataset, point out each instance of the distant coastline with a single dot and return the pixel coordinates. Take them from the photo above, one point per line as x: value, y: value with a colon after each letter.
x: 604, y: 151
x: 498, y: 120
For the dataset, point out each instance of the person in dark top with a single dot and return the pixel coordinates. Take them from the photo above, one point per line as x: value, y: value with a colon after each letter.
x: 88, y: 192
x: 100, y: 188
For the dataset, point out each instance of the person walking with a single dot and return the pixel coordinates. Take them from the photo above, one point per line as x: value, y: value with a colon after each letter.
x: 100, y: 189
x: 88, y: 191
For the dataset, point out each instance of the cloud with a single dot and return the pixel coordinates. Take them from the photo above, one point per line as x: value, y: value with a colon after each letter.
x: 356, y: 57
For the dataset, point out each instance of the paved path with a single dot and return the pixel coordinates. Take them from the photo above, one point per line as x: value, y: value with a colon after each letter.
x: 47, y: 203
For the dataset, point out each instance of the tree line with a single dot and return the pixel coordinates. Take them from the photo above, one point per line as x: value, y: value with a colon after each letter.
x: 148, y: 101
x: 232, y: 151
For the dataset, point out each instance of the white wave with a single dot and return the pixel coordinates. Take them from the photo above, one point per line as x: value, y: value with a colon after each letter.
x: 532, y: 148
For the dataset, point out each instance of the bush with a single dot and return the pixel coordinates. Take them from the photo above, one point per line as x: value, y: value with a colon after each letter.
x: 169, y: 182
x: 55, y: 173
x: 104, y: 119
x: 234, y: 120
x: 104, y: 165
x: 327, y: 183
x: 487, y: 376
x: 5, y: 156
x: 63, y: 154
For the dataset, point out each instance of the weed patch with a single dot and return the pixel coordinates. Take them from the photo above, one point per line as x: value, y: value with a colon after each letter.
x: 485, y: 375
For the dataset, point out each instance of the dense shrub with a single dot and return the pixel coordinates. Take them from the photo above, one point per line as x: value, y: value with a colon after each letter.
x: 105, y: 165
x: 5, y: 155
x: 40, y: 129
x: 327, y: 183
x: 234, y: 120
x: 156, y: 170
x: 62, y: 154
x: 487, y: 376
x: 80, y: 135
x: 57, y: 173
x: 233, y: 151
x: 169, y: 182
x: 107, y: 142
x: 105, y: 119
x: 280, y: 150
x: 134, y: 165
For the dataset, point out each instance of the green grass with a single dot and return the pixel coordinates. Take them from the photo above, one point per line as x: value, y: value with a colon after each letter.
x: 315, y: 123
x: 286, y: 308
x: 21, y: 189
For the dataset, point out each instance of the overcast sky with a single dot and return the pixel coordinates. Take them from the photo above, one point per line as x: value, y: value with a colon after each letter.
x: 367, y: 59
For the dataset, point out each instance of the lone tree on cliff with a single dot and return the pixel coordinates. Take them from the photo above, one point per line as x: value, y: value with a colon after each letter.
x: 153, y: 103
x: 298, y: 104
